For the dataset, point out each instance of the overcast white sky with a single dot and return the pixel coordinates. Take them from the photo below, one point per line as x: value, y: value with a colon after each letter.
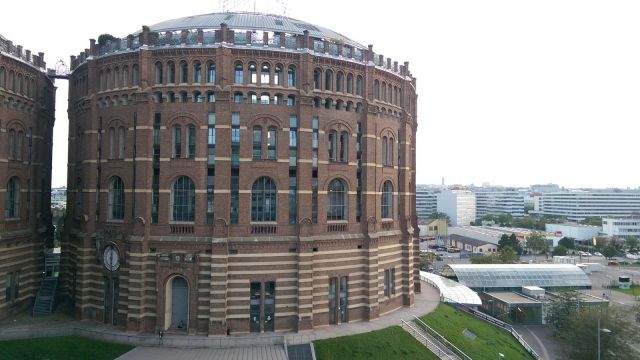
x: 510, y: 92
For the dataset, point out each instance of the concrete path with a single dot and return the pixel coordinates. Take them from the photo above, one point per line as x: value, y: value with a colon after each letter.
x: 242, y: 353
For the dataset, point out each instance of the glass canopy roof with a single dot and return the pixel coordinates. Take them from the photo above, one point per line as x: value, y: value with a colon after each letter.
x: 481, y: 276
x: 451, y: 291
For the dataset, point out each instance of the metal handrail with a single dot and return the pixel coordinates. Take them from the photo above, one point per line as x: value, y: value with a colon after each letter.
x: 442, y: 339
x: 419, y: 336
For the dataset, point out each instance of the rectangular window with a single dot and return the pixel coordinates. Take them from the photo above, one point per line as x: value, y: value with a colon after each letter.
x: 112, y: 143
x: 257, y: 143
x: 331, y: 146
x: 271, y: 143
x: 177, y: 141
x: 121, y: 142
x: 191, y: 142
x: 393, y: 281
x: 7, y: 287
x: 386, y: 283
x: 155, y: 185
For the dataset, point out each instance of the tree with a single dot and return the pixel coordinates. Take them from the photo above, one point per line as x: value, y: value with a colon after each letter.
x: 559, y: 251
x: 592, y: 220
x: 567, y: 242
x: 505, y: 219
x: 536, y: 242
x: 511, y: 241
x: 484, y: 260
x: 507, y: 255
x: 632, y: 242
x: 440, y: 215
x: 609, y: 251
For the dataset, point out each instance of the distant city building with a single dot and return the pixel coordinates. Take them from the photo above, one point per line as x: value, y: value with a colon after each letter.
x: 545, y: 188
x: 472, y: 245
x: 621, y: 227
x: 496, y: 201
x: 433, y: 228
x: 577, y: 205
x: 577, y: 231
x: 459, y: 204
x: 426, y: 201
x: 59, y: 198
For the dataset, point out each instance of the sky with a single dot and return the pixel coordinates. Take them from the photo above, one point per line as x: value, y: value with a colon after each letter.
x: 510, y: 92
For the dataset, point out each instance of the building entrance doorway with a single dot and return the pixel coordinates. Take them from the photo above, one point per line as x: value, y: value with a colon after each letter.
x: 177, y: 305
x: 338, y: 300
x: 111, y: 297
x: 262, y: 307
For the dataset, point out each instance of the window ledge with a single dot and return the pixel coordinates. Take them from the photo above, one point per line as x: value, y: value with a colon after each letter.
x: 115, y: 221
x: 182, y: 222
x: 337, y: 221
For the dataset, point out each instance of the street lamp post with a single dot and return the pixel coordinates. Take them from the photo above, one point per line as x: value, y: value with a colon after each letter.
x: 606, y: 331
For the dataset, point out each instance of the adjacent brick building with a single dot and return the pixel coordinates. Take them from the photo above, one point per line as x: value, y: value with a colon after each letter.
x: 27, y: 101
x: 239, y: 172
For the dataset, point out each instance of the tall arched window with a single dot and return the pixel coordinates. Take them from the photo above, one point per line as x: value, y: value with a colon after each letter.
x: 336, y: 200
x: 344, y: 146
x: 387, y: 200
x: 264, y: 74
x: 11, y: 143
x: 183, y: 200
x: 317, y: 79
x: 125, y: 77
x: 238, y: 75
x: 135, y: 75
x: 390, y: 152
x: 383, y: 96
x: 272, y: 139
x: 116, y: 78
x: 257, y: 142
x: 291, y: 76
x: 197, y: 72
x: 253, y: 73
x: 332, y: 145
x: 184, y: 68
x: 278, y: 75
x: 12, y: 199
x: 350, y: 83
x: 121, y: 142
x: 112, y: 143
x: 376, y: 89
x: 116, y: 199
x: 158, y: 76
x: 2, y: 78
x: 359, y: 85
x: 384, y: 150
x: 19, y: 146
x: 263, y: 200
x: 328, y: 80
x: 211, y: 72
x: 171, y: 72
x: 340, y: 81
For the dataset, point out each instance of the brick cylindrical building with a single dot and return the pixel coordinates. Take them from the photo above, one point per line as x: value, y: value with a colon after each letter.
x: 236, y: 173
x: 27, y: 101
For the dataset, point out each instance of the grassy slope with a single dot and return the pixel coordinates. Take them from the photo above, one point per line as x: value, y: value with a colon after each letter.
x: 389, y: 343
x: 490, y: 340
x: 63, y: 348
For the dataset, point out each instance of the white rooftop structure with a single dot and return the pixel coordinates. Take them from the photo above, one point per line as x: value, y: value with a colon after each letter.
x: 452, y: 291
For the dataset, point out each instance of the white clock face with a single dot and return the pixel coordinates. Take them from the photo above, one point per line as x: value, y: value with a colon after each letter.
x: 111, y: 258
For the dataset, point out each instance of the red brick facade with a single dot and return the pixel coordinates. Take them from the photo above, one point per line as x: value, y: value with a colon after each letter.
x: 217, y: 254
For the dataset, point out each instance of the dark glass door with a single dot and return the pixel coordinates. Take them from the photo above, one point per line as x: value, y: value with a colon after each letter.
x: 254, y: 307
x: 333, y: 309
x: 344, y: 299
x: 269, y: 306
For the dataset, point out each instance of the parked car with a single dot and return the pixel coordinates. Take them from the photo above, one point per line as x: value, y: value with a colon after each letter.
x: 597, y: 254
x: 584, y: 254
x: 453, y: 250
x: 612, y: 263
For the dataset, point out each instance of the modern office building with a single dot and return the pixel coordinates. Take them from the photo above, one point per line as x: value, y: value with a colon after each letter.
x: 579, y: 232
x: 577, y: 205
x: 496, y: 201
x: 239, y: 173
x: 27, y: 100
x: 459, y: 204
x: 622, y: 227
x: 426, y: 201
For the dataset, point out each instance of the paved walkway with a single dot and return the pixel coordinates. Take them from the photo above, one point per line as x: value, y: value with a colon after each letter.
x: 238, y: 353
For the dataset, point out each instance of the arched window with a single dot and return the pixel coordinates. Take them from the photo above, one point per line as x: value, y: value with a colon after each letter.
x: 291, y: 100
x: 332, y: 145
x: 390, y: 94
x: 383, y: 97
x: 171, y: 72
x: 272, y: 140
x: 116, y: 199
x: 253, y: 73
x: 112, y: 143
x: 135, y: 75
x: 19, y: 146
x: 171, y: 97
x: 191, y: 142
x: 317, y: 79
x: 211, y: 72
x: 158, y: 77
x: 390, y: 152
x: 197, y: 72
x: 197, y: 96
x: 177, y: 141
x: 344, y: 146
x: 11, y: 142
x: 2, y: 78
x: 328, y: 103
x: 12, y: 82
x: 183, y: 200
x: 211, y: 97
x: 291, y: 76
x: 316, y: 102
x: 328, y: 80
x: 184, y: 68
x: 263, y: 200
x: 237, y: 97
x: 264, y: 74
x: 238, y: 76
x: 387, y: 200
x: 12, y: 199
x: 253, y: 98
x: 125, y: 77
x: 376, y: 89
x: 340, y: 81
x: 121, y: 142
x: 257, y: 142
x: 336, y: 200
x: 278, y: 76
x: 184, y: 96
x: 116, y: 78
x: 350, y: 83
x: 384, y: 150
x: 339, y: 104
x: 264, y: 98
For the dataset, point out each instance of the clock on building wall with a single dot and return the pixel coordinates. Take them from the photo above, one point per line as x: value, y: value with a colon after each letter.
x: 111, y: 258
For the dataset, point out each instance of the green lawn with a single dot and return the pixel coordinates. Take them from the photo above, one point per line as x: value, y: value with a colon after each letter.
x: 490, y: 340
x: 634, y: 290
x: 389, y: 343
x: 63, y: 348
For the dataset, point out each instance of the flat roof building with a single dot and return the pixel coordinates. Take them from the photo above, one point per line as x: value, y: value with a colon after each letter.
x: 459, y: 204
x: 621, y: 227
x: 496, y: 201
x: 577, y: 205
